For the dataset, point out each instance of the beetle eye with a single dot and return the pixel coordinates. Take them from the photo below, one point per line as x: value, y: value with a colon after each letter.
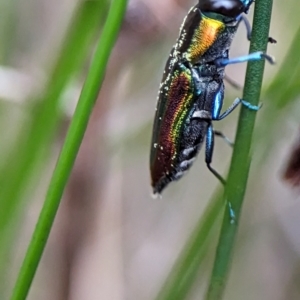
x: 228, y: 8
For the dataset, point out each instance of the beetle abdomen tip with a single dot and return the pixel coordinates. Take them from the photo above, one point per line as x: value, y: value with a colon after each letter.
x: 156, y: 195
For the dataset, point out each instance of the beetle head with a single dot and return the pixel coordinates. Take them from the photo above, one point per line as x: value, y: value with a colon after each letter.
x: 228, y: 8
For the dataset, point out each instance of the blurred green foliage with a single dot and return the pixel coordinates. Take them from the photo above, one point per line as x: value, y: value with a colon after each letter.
x: 31, y: 148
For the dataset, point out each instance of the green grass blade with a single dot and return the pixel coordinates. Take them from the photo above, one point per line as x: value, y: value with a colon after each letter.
x: 37, y: 137
x: 239, y: 169
x: 31, y: 148
x: 70, y: 148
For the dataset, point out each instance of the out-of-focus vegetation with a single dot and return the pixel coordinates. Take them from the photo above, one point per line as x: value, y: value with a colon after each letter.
x: 70, y: 148
x: 110, y: 239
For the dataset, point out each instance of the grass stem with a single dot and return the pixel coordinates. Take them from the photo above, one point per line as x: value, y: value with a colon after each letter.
x: 70, y: 149
x: 240, y: 164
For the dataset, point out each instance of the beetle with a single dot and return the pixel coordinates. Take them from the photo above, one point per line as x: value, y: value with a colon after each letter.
x: 191, y: 92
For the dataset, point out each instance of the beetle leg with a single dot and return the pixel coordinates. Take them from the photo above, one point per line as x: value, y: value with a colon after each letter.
x: 209, y: 148
x: 232, y: 83
x: 231, y: 108
x: 248, y: 26
x: 251, y: 106
x: 224, y: 137
x: 249, y: 30
x: 235, y: 103
x: 231, y: 213
x: 250, y: 57
x: 271, y: 40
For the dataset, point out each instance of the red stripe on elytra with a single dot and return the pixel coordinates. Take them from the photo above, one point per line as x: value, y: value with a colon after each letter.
x: 177, y: 98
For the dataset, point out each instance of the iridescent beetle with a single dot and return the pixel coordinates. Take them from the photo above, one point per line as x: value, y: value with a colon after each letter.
x: 192, y: 89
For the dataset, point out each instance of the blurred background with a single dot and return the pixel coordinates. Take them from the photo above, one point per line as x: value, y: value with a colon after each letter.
x: 110, y: 239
